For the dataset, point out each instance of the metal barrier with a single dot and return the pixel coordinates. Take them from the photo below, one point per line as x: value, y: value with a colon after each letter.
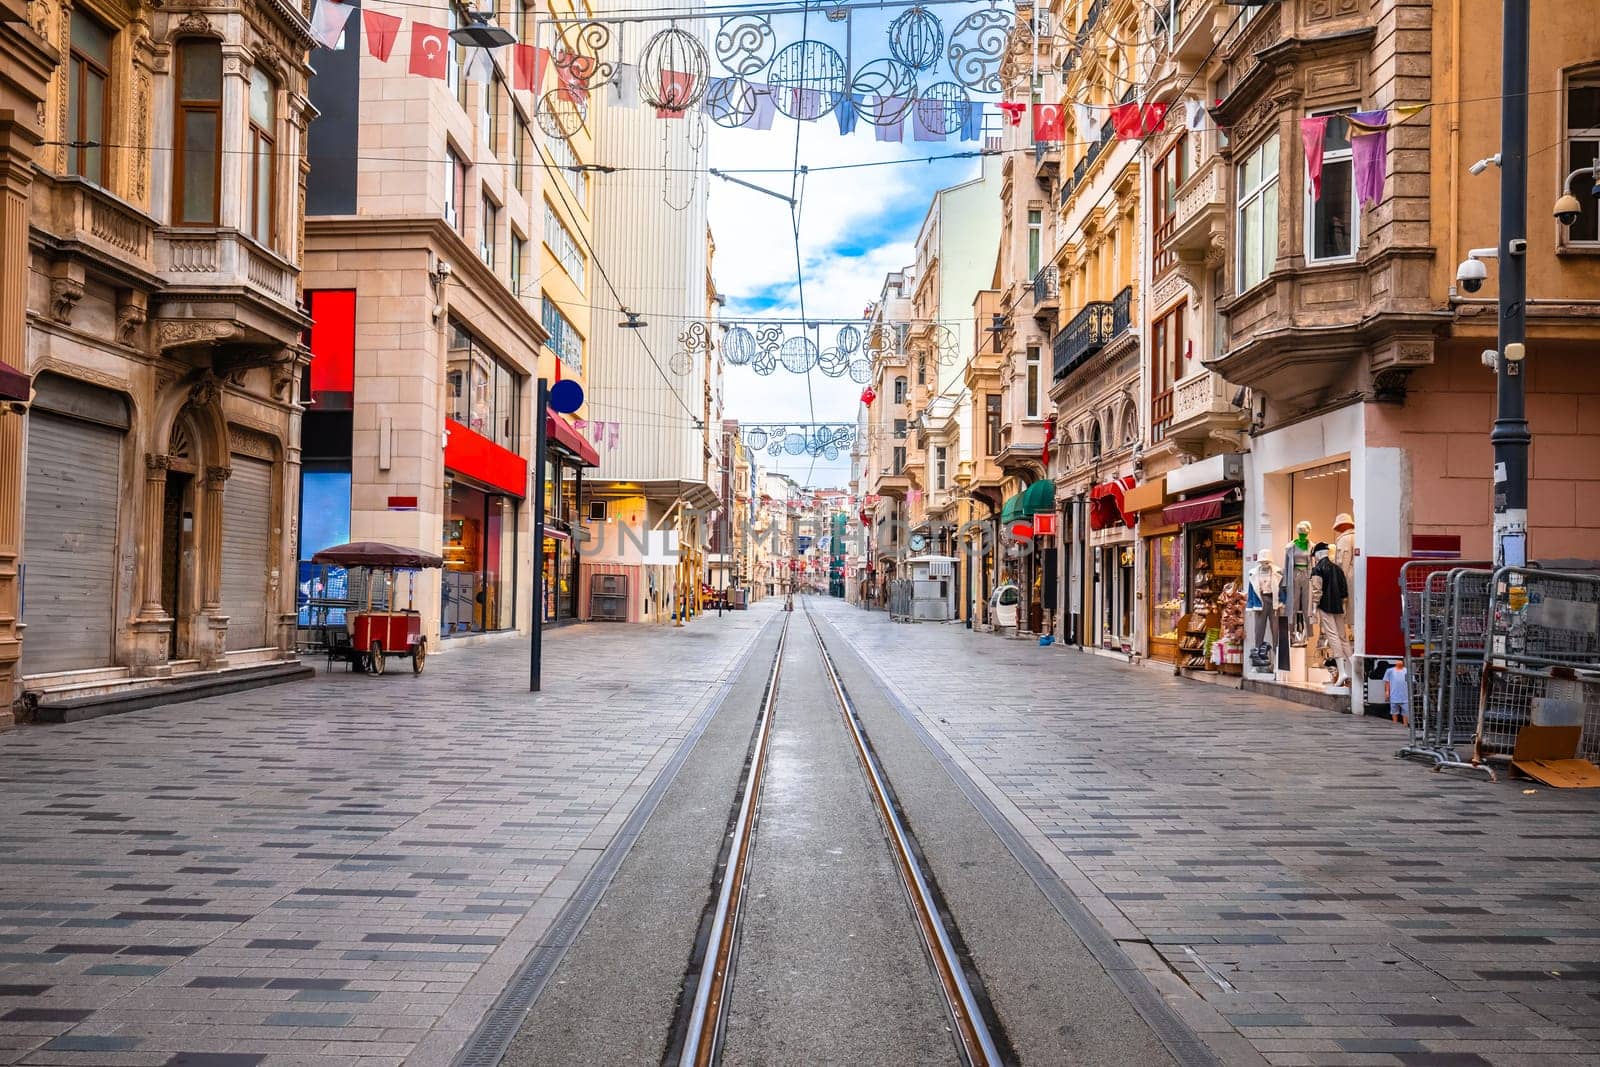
x: 1466, y: 640
x: 1428, y: 613
x: 1543, y: 632
x: 900, y: 592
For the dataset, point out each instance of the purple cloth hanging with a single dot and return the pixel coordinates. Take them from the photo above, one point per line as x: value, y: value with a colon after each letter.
x: 892, y: 131
x: 1369, y: 155
x: 925, y: 115
x: 765, y: 108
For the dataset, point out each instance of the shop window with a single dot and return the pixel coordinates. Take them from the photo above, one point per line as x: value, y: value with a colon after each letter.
x: 197, y: 161
x: 1032, y: 371
x: 320, y: 590
x: 1257, y: 227
x: 1166, y: 586
x: 1332, y: 219
x: 1583, y: 150
x: 483, y: 392
x: 479, y: 579
x: 261, y: 223
x: 89, y: 96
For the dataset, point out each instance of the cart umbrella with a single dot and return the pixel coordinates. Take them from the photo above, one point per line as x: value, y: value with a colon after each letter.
x: 377, y: 554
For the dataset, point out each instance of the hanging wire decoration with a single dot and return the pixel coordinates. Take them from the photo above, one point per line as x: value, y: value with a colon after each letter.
x: 745, y: 44
x: 756, y: 438
x: 833, y: 362
x: 562, y: 112
x: 798, y: 355
x: 942, y: 107
x: 946, y: 346
x: 861, y: 370
x: 883, y: 91
x: 916, y: 38
x: 808, y: 79
x: 738, y: 346
x: 977, y: 46
x: 765, y: 361
x: 673, y: 69
x: 731, y: 102
x: 579, y: 55
x: 695, y: 340
x: 849, y: 340
x: 795, y: 444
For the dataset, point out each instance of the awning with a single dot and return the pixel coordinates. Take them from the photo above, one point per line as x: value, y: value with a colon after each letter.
x: 377, y: 554
x: 1146, y: 496
x: 1011, y: 510
x: 14, y: 385
x: 1040, y: 496
x: 1200, y: 508
x: 1107, y: 505
x: 561, y: 432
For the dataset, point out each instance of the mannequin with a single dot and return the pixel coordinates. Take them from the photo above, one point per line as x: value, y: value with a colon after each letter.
x: 1331, y: 595
x: 1263, y: 606
x: 1294, y: 588
x: 1344, y: 554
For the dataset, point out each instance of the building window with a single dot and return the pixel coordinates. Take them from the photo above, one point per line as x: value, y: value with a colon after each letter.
x: 263, y: 157
x: 1258, y: 214
x: 89, y: 97
x: 1332, y: 221
x: 566, y: 161
x: 483, y: 391
x: 900, y: 390
x: 991, y: 422
x: 899, y: 459
x: 565, y: 341
x: 1096, y: 442
x: 197, y: 169
x: 519, y: 263
x: 456, y: 61
x: 939, y: 456
x: 488, y: 230
x: 1033, y: 370
x: 1035, y: 241
x: 922, y: 370
x: 455, y: 190
x: 1166, y: 367
x: 561, y: 244
x: 900, y: 427
x: 1172, y: 170
x: 489, y: 115
x: 519, y: 154
x: 1583, y: 150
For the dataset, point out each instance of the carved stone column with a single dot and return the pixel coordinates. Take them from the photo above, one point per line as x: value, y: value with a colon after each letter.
x: 152, y: 629
x: 213, y: 650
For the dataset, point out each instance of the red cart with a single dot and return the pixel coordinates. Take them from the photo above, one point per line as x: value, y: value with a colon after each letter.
x: 378, y: 633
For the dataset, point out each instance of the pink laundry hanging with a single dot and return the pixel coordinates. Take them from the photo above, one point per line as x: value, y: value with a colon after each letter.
x: 1313, y: 131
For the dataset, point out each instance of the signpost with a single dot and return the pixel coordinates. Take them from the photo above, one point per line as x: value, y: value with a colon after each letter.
x: 564, y: 397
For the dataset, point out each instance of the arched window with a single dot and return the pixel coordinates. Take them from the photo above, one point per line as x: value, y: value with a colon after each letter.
x: 900, y: 390
x: 261, y: 223
x: 1096, y: 444
x: 1130, y: 425
x: 197, y: 133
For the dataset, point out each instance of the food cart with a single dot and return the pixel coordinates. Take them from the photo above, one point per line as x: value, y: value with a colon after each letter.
x: 375, y: 634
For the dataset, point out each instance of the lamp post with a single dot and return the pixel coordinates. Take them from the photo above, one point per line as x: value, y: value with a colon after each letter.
x: 536, y: 627
x: 1510, y: 436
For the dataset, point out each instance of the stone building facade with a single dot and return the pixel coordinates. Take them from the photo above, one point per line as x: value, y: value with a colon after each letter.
x: 161, y: 451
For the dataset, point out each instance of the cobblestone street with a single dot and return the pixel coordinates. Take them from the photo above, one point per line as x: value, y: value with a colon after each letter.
x: 353, y: 869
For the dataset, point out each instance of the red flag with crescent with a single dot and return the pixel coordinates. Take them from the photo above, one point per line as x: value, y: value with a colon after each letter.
x: 430, y: 50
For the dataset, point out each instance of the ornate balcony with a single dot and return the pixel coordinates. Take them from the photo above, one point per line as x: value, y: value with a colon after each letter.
x: 1200, y: 218
x: 83, y: 217
x: 1098, y: 324
x: 1202, y: 407
x: 1046, y: 160
x: 1046, y: 292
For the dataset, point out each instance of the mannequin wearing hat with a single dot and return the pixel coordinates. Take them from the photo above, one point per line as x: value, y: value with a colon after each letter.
x: 1331, y: 593
x: 1344, y: 554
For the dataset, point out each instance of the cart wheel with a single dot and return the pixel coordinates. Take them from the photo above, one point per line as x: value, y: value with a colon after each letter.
x: 418, y: 656
x: 375, y: 657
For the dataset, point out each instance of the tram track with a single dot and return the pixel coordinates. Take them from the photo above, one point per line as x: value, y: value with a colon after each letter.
x: 709, y: 990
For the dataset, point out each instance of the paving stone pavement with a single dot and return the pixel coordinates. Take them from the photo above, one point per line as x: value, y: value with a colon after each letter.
x: 339, y: 871
x: 1276, y: 872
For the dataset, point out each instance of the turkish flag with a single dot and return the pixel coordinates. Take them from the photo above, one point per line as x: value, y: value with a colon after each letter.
x: 381, y: 30
x: 676, y: 88
x: 1013, y: 110
x: 530, y: 63
x: 1134, y: 121
x: 1049, y: 122
x: 430, y: 50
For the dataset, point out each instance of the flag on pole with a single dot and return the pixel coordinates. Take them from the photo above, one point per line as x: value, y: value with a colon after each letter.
x: 328, y: 20
x: 381, y: 31
x: 1049, y: 123
x: 430, y: 50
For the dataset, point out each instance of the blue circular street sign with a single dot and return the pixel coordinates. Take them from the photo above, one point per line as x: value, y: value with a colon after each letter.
x: 566, y: 396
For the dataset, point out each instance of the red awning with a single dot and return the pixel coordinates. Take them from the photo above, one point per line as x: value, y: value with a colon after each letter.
x: 563, y: 433
x: 1198, y: 509
x: 1106, y: 503
x: 14, y: 385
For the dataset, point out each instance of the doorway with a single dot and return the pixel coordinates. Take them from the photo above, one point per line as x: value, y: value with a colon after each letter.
x: 177, y: 529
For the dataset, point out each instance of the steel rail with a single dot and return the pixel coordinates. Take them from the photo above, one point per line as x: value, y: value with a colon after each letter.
x: 703, y: 1035
x: 977, y: 1044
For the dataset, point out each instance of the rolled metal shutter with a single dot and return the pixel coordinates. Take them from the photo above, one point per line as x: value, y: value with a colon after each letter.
x: 246, y: 541
x: 70, y: 543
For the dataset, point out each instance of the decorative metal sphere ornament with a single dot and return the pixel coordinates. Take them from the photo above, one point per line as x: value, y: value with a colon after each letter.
x: 681, y: 363
x: 942, y: 107
x: 738, y: 347
x: 756, y: 438
x: 849, y: 339
x: 795, y: 444
x: 816, y: 71
x: 745, y: 44
x: 579, y: 56
x: 731, y: 102
x: 946, y: 346
x: 833, y: 362
x: 561, y: 113
x: 765, y: 361
x: 977, y: 46
x: 798, y: 354
x: 884, y: 90
x: 821, y: 440
x: 916, y: 38
x: 830, y: 453
x: 775, y: 447
x: 673, y: 69
x: 861, y: 370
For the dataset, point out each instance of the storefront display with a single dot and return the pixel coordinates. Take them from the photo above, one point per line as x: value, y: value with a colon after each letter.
x: 1165, y: 555
x: 478, y: 585
x: 1319, y: 511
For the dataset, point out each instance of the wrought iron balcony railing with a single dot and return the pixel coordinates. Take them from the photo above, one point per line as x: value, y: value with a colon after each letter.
x: 1096, y: 325
x: 1046, y: 284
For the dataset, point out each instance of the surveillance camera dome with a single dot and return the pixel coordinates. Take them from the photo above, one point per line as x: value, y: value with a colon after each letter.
x: 1471, y: 275
x: 1568, y: 210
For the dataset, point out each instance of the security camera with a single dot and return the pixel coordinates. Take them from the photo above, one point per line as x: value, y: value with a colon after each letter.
x: 441, y: 270
x: 1471, y: 275
x: 1568, y: 210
